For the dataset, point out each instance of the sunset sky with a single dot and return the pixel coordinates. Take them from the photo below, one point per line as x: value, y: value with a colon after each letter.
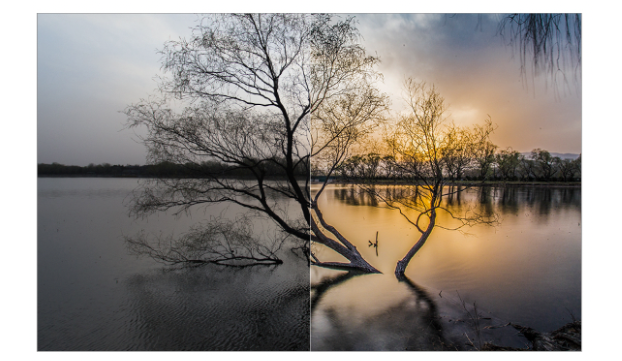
x: 479, y: 75
x: 90, y: 67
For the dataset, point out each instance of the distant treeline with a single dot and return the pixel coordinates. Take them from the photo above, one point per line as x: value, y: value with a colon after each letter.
x: 163, y: 169
x: 506, y: 165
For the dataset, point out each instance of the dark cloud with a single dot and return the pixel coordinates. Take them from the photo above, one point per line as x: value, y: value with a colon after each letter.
x: 478, y: 74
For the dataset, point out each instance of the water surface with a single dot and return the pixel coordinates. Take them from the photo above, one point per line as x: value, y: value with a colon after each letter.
x: 527, y: 270
x: 93, y: 295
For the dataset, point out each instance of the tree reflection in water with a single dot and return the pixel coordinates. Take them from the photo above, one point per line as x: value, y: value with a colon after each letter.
x: 521, y: 273
x: 216, y: 307
x: 409, y: 323
x: 404, y: 316
x: 250, y: 293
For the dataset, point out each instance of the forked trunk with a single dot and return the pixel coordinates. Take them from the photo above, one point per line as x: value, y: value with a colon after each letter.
x: 403, y: 263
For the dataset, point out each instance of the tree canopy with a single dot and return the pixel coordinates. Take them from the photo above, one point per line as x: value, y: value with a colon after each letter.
x: 247, y: 85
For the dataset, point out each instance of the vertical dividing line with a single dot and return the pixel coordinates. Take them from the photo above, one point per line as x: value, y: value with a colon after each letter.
x: 309, y: 223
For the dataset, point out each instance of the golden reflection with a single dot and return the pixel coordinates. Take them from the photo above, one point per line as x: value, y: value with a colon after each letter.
x: 360, y: 219
x: 534, y: 250
x: 374, y: 312
x: 524, y: 270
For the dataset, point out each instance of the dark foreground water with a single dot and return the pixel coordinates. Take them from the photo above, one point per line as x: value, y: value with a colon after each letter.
x: 462, y: 290
x: 93, y: 295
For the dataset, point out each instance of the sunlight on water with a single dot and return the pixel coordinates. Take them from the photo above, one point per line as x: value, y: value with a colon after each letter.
x: 526, y: 270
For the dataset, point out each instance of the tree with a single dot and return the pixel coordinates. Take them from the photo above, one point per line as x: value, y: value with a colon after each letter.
x: 418, y: 145
x: 348, y: 113
x: 467, y: 148
x: 457, y: 151
x: 484, y: 149
x: 544, y: 164
x: 546, y: 42
x: 362, y: 167
x: 527, y: 168
x: 241, y: 82
x: 508, y: 162
x: 248, y: 85
x: 577, y: 167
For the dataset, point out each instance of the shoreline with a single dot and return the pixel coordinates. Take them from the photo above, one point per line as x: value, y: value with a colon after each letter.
x: 340, y: 182
x: 460, y: 183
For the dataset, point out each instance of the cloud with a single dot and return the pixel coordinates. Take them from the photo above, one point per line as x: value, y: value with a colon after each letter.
x: 91, y: 66
x: 477, y: 74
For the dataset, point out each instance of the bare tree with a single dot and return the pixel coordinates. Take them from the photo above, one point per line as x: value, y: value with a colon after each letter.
x: 346, y: 116
x: 417, y: 146
x: 484, y: 149
x: 527, y: 168
x: 465, y: 149
x: 242, y: 82
x: 545, y: 164
x: 577, y: 167
x: 247, y: 85
x: 563, y: 168
x: 508, y: 162
x: 458, y: 151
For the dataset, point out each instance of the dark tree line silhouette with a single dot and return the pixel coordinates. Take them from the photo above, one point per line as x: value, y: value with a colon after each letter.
x: 160, y: 169
x: 505, y: 165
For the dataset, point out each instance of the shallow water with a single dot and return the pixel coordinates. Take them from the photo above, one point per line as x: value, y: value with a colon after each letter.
x: 93, y: 295
x: 526, y: 270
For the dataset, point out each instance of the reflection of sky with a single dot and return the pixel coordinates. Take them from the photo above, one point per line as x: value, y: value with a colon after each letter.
x: 526, y: 270
x: 90, y: 67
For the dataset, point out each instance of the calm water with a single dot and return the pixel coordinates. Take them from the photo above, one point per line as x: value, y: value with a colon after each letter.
x: 526, y: 271
x: 92, y: 295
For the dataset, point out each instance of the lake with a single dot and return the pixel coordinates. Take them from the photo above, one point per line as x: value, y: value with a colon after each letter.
x: 462, y: 289
x: 93, y: 295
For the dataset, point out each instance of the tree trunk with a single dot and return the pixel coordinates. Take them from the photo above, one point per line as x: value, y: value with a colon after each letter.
x: 343, y: 247
x: 403, y: 263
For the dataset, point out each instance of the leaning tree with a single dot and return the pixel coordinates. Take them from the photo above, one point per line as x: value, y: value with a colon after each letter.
x: 419, y: 143
x: 243, y: 91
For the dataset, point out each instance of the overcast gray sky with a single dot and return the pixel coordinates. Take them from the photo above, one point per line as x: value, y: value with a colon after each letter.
x: 90, y: 67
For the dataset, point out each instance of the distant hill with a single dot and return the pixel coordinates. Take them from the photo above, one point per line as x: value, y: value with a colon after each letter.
x: 566, y: 155
x: 570, y: 156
